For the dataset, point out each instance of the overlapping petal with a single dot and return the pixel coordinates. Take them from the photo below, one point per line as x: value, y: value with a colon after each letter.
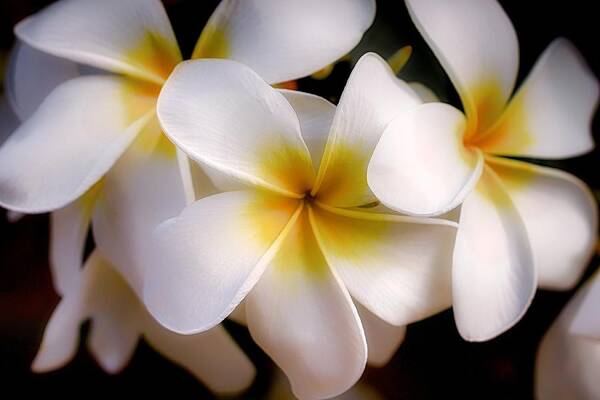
x: 383, y: 339
x: 285, y: 40
x: 586, y: 322
x: 133, y: 37
x: 421, y: 165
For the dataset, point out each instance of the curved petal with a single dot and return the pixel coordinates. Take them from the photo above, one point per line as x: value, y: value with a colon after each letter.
x: 133, y: 37
x: 586, y: 322
x: 198, y: 280
x: 477, y: 45
x: 397, y: 267
x: 421, y: 166
x: 31, y: 76
x: 68, y: 232
x: 372, y: 98
x: 222, y: 114
x: 315, y: 115
x: 213, y: 356
x: 551, y: 114
x: 70, y: 142
x: 285, y: 40
x: 383, y: 339
x: 302, y: 316
x: 143, y: 189
x: 568, y: 207
x: 493, y: 277
x: 425, y: 94
x: 9, y: 121
x: 567, y: 365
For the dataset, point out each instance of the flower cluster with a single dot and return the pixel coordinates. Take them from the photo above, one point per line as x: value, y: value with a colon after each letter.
x: 211, y: 192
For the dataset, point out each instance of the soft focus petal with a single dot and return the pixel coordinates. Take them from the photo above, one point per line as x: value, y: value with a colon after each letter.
x: 567, y: 364
x: 8, y: 119
x: 70, y: 142
x: 560, y: 215
x: 383, y: 339
x: 212, y: 255
x: 302, y: 316
x: 425, y: 94
x: 224, y: 115
x: 143, y: 189
x: 397, y: 267
x: 133, y: 37
x: 372, y: 98
x: 494, y: 277
x: 477, y: 45
x: 68, y: 232
x: 421, y: 166
x: 285, y: 40
x: 586, y: 321
x: 31, y: 76
x: 551, y: 114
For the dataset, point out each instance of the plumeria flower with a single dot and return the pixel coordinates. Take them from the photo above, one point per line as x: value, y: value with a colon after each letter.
x: 119, y: 320
x: 514, y: 214
x: 293, y: 242
x: 58, y: 157
x: 569, y: 356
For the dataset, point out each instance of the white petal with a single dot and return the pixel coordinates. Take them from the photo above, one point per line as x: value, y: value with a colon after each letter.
x: 285, y: 40
x: 132, y: 37
x: 302, y: 316
x: 566, y: 364
x: 397, y: 267
x: 372, y: 98
x: 563, y: 232
x: 421, y: 166
x: 222, y: 114
x: 143, y: 189
x: 586, y: 321
x: 69, y: 143
x: 315, y: 115
x: 551, y: 115
x: 383, y: 339
x: 8, y: 119
x: 426, y: 94
x: 31, y: 75
x: 213, y: 356
x: 68, y: 232
x: 493, y: 276
x: 477, y: 45
x: 201, y: 275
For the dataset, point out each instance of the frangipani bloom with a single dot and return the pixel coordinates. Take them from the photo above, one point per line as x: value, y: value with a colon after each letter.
x: 87, y: 123
x: 568, y: 359
x: 519, y: 222
x: 299, y: 235
x: 119, y: 320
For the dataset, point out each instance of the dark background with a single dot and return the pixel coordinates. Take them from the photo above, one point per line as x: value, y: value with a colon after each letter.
x: 433, y: 362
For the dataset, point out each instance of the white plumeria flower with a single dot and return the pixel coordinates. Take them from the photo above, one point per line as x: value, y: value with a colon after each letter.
x: 119, y: 320
x: 295, y: 244
x: 568, y: 359
x: 514, y: 214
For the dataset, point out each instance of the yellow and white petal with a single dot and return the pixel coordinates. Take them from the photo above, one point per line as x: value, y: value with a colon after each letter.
x: 32, y: 75
x: 383, y: 339
x: 302, y: 316
x: 315, y: 115
x: 70, y: 142
x: 552, y: 203
x: 586, y: 321
x: 493, y: 277
x: 133, y: 37
x: 200, y: 276
x: 213, y: 356
x: 69, y: 228
x: 224, y: 115
x: 421, y: 166
x: 567, y: 364
x: 551, y: 114
x: 372, y: 98
x: 285, y: 40
x: 477, y: 45
x: 143, y: 189
x: 398, y: 267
